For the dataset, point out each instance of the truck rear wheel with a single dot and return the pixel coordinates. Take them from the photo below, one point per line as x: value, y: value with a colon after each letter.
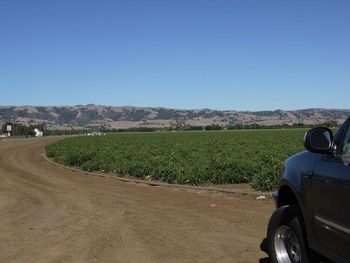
x: 285, y: 237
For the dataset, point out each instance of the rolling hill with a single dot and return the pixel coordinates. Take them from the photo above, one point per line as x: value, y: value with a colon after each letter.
x: 89, y: 116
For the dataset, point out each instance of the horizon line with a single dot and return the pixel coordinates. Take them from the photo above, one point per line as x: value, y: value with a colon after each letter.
x: 169, y: 108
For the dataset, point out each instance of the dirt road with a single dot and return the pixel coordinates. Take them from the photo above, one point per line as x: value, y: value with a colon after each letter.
x: 50, y: 214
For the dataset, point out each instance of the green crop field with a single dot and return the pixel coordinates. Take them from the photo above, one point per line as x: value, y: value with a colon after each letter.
x: 195, y: 158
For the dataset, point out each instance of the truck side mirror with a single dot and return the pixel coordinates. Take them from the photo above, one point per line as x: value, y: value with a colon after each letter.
x: 319, y: 140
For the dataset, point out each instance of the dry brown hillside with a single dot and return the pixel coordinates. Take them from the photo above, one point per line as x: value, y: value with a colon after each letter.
x: 87, y: 116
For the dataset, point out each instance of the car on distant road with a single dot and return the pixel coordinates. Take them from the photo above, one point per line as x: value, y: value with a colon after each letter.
x: 312, y: 219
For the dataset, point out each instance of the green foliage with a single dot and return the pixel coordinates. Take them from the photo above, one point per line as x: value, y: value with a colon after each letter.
x: 19, y: 129
x: 213, y: 127
x: 192, y: 158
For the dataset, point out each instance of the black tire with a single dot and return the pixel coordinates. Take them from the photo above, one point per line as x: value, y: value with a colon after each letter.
x: 286, y: 219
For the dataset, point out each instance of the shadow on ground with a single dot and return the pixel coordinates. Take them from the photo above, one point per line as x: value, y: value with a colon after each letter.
x: 264, y: 260
x: 263, y: 247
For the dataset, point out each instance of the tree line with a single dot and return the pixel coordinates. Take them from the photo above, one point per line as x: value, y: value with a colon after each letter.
x: 18, y: 129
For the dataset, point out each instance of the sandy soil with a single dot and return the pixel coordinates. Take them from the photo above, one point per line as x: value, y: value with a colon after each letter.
x: 50, y: 214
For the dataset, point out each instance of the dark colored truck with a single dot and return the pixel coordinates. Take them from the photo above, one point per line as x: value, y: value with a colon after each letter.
x: 312, y: 219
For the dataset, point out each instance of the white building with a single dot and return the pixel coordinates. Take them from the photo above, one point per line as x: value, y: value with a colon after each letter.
x: 38, y: 133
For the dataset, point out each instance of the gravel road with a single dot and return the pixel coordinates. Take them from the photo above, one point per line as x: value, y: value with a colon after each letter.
x: 51, y: 214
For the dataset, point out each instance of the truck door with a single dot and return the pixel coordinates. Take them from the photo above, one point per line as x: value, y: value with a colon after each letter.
x: 331, y: 201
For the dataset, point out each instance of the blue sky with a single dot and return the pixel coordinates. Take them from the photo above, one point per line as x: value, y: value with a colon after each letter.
x: 243, y: 55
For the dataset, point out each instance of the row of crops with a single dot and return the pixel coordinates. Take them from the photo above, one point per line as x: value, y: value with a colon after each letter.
x: 195, y: 158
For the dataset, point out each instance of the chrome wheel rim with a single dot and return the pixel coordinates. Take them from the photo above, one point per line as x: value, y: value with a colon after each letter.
x: 287, y: 246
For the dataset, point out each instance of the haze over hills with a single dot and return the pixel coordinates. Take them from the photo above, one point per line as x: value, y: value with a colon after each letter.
x: 119, y: 117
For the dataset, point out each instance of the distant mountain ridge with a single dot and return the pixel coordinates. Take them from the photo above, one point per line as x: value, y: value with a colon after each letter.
x: 119, y: 117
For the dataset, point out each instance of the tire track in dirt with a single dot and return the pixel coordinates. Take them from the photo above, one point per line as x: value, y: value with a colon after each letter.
x: 50, y: 214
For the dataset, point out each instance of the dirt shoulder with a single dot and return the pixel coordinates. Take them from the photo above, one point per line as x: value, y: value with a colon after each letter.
x: 51, y: 214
